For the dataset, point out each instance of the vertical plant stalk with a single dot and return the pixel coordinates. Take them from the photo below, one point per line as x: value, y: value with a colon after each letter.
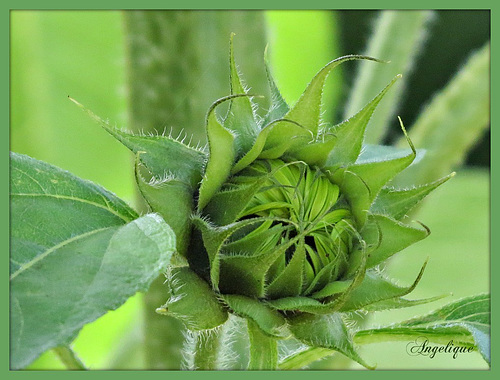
x: 68, y: 358
x: 207, y: 348
x: 398, y: 37
x: 177, y: 66
x: 263, y: 349
x: 452, y: 122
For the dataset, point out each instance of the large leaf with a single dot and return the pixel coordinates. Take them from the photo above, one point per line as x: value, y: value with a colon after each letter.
x: 80, y: 279
x: 50, y: 205
x: 466, y: 321
x: 72, y: 256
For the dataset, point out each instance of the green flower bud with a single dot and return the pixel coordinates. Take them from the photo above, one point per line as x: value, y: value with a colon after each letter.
x: 299, y: 207
x: 283, y: 220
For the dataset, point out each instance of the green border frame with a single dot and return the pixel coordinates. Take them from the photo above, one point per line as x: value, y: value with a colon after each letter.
x: 494, y: 6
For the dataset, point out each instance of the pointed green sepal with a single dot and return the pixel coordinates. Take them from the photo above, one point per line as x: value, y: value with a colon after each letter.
x: 162, y: 155
x: 397, y: 203
x: 385, y: 236
x: 278, y: 108
x: 192, y: 301
x: 273, y: 141
x: 307, y: 110
x: 350, y: 133
x: 400, y: 303
x: 361, y: 182
x: 173, y: 200
x: 315, y: 153
x: 269, y: 321
x: 221, y: 159
x: 376, y: 288
x: 240, y: 118
x: 327, y: 331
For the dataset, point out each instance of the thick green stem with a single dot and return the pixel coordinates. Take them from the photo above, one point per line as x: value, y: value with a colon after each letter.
x: 207, y: 349
x: 68, y: 358
x: 263, y: 349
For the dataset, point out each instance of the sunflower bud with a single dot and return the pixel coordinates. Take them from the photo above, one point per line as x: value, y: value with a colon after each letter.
x: 281, y: 221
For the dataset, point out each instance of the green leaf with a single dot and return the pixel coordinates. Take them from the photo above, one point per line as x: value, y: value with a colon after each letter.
x: 466, y: 321
x: 221, y: 159
x: 397, y: 203
x: 269, y: 321
x: 50, y: 205
x: 402, y: 52
x: 192, y: 300
x: 349, y: 134
x: 325, y: 331
x: 453, y: 121
x: 376, y: 288
x: 385, y: 236
x: 240, y: 118
x: 76, y: 281
x: 162, y: 155
x: 173, y: 200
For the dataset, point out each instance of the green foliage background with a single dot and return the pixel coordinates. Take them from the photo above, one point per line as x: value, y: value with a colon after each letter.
x: 59, y: 53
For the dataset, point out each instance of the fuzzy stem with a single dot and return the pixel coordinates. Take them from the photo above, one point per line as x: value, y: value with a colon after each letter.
x: 263, y: 349
x: 398, y: 37
x: 68, y: 358
x: 163, y: 335
x: 208, y: 345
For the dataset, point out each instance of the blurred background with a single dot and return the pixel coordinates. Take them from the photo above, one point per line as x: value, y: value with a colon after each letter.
x: 88, y: 56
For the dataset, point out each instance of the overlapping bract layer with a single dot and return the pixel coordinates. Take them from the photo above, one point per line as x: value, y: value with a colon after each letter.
x: 283, y: 219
